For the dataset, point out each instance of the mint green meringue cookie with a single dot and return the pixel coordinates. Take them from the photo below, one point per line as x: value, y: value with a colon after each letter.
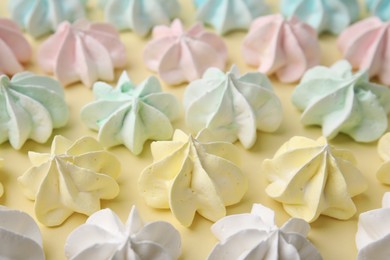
x: 342, y: 102
x: 30, y: 107
x: 131, y: 115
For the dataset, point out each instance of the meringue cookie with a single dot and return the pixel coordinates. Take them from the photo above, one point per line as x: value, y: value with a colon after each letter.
x: 342, y: 102
x: 180, y: 56
x: 131, y: 115
x: 82, y: 51
x: 311, y: 178
x: 190, y: 176
x: 380, y: 8
x: 255, y: 236
x: 140, y: 16
x: 39, y: 17
x: 1, y: 185
x: 373, y: 233
x: 383, y: 173
x: 229, y: 15
x: 104, y: 236
x: 30, y: 107
x: 19, y: 236
x: 14, y: 48
x: 365, y: 46
x: 284, y: 47
x: 73, y: 177
x: 324, y: 15
x: 232, y: 106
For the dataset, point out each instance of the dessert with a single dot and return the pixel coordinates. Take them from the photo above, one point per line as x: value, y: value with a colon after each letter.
x: 373, y: 233
x: 189, y: 175
x: 131, y: 115
x: 180, y: 56
x: 255, y: 236
x: 1, y: 185
x: 365, y: 46
x: 82, y: 51
x: 104, y: 236
x: 383, y: 173
x: 380, y: 8
x: 324, y: 15
x: 73, y: 177
x: 140, y: 16
x: 20, y: 236
x: 15, y: 50
x: 30, y: 107
x: 231, y: 106
x: 310, y: 178
x: 227, y: 15
x: 342, y: 102
x: 286, y: 48
x: 40, y: 17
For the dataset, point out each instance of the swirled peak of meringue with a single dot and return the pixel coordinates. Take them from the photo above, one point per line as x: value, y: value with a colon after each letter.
x: 181, y: 56
x: 312, y: 178
x: 190, y: 175
x: 20, y: 237
x: 255, y: 236
x: 383, y: 173
x: 83, y: 51
x: 72, y: 177
x: 131, y: 115
x: 342, y: 102
x: 324, y: 15
x: 30, y: 107
x: 286, y: 48
x: 232, y: 106
x: 140, y: 16
x: 379, y: 8
x: 40, y: 17
x: 365, y: 45
x: 104, y: 236
x: 229, y: 15
x: 373, y: 232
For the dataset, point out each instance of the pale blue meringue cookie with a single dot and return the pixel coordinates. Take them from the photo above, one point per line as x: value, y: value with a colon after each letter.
x: 380, y: 8
x: 229, y: 15
x: 140, y: 16
x: 131, y: 115
x: 39, y: 17
x: 342, y: 102
x: 324, y: 15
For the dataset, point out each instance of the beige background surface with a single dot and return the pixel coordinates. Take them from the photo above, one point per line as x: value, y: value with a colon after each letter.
x: 335, y: 239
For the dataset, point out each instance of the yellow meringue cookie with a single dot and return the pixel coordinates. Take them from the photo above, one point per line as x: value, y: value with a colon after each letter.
x: 190, y: 176
x: 311, y: 178
x: 73, y: 177
x: 383, y: 173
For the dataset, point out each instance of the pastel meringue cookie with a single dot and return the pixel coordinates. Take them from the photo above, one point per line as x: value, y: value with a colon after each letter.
x: 255, y: 236
x: 131, y: 115
x: 104, y: 236
x: 365, y: 45
x: 19, y: 235
x: 83, y: 51
x: 140, y: 16
x: 232, y: 106
x: 180, y: 56
x: 15, y: 50
x: 342, y: 102
x: 228, y: 15
x: 312, y: 178
x: 379, y: 8
x: 324, y: 15
x: 190, y: 175
x: 73, y: 177
x: 31, y: 107
x: 373, y: 232
x: 283, y: 47
x: 40, y: 17
x: 383, y: 173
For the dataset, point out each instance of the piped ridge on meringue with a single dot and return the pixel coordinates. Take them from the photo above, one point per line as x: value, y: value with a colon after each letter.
x: 379, y: 8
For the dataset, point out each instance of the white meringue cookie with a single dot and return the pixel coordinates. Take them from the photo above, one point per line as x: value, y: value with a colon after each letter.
x: 104, y: 236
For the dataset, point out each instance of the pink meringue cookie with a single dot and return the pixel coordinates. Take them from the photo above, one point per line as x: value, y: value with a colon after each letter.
x: 180, y: 56
x: 366, y: 45
x: 82, y: 51
x: 14, y: 48
x: 286, y: 48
